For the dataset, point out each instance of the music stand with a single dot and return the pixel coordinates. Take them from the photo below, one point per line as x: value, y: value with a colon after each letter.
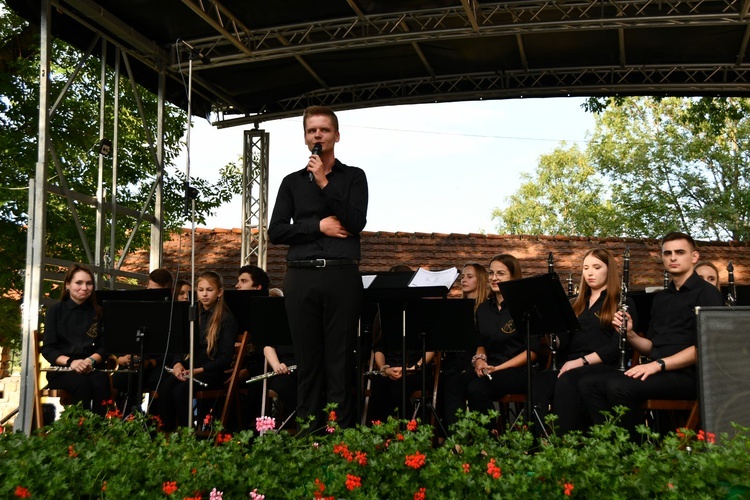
x: 145, y: 327
x: 394, y: 287
x: 141, y: 294
x: 539, y: 304
x: 445, y: 325
x: 267, y: 321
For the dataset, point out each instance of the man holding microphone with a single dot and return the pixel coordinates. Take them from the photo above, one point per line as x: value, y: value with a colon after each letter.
x: 320, y: 212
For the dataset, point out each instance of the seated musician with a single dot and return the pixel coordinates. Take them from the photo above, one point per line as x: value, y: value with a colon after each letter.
x: 669, y: 343
x: 456, y: 365
x: 500, y: 360
x: 387, y: 389
x: 214, y: 347
x: 595, y: 344
x: 182, y: 290
x: 708, y: 271
x: 72, y: 341
x: 252, y: 278
x: 126, y: 383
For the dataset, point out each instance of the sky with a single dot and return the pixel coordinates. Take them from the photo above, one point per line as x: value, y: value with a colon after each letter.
x: 431, y: 168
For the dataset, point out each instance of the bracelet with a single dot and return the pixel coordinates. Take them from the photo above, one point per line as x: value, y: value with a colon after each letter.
x: 69, y: 361
x: 585, y: 361
x: 93, y: 361
x: 476, y: 357
x: 383, y: 369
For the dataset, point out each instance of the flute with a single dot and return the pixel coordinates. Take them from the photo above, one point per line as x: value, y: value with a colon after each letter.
x: 269, y: 375
x: 69, y: 369
x: 623, y: 307
x: 199, y: 382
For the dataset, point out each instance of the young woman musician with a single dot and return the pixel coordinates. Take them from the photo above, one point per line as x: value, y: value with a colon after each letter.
x: 596, y: 343
x: 708, y: 271
x: 213, y: 353
x: 72, y: 341
x: 500, y: 359
x: 456, y: 368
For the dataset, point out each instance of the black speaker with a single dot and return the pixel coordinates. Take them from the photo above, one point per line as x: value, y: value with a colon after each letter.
x: 724, y: 367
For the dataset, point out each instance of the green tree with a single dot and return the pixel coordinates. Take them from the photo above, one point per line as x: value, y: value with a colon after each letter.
x: 676, y: 163
x: 565, y: 195
x: 75, y: 137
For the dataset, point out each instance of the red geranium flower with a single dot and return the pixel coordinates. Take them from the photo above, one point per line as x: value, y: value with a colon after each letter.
x: 420, y: 494
x: 223, y: 438
x: 568, y: 488
x: 169, y: 487
x: 72, y: 452
x: 466, y: 468
x: 353, y: 482
x: 415, y: 461
x: 361, y: 458
x: 22, y: 492
x: 493, y: 470
x: 412, y: 425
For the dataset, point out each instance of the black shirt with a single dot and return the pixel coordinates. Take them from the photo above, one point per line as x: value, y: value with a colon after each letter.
x: 593, y: 336
x: 497, y: 333
x: 673, y: 324
x: 304, y: 203
x: 221, y: 355
x: 72, y: 330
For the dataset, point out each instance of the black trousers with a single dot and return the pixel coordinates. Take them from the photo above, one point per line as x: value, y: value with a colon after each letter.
x: 563, y: 396
x: 608, y: 388
x: 482, y: 392
x: 91, y: 390
x: 174, y: 396
x: 286, y: 387
x: 323, y: 306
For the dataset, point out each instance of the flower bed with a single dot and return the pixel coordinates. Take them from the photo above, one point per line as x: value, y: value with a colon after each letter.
x: 83, y: 456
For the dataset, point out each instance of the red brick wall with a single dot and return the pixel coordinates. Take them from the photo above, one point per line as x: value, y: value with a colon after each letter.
x: 219, y: 250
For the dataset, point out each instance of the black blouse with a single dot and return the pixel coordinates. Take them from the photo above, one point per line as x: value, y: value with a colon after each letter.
x: 72, y: 330
x: 497, y: 333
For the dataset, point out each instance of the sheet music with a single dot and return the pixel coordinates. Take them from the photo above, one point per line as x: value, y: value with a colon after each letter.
x: 367, y: 280
x: 445, y: 278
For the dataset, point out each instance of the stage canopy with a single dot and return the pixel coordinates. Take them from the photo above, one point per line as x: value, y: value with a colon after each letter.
x: 261, y: 60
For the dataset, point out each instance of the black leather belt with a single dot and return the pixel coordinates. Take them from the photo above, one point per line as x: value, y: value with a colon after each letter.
x: 314, y: 263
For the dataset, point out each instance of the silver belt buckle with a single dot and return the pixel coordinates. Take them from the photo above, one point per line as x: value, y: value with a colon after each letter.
x: 320, y: 263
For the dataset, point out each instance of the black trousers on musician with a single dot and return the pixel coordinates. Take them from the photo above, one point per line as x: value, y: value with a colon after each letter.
x: 482, y: 392
x: 174, y: 396
x: 91, y: 390
x: 323, y: 307
x: 563, y: 396
x: 608, y: 388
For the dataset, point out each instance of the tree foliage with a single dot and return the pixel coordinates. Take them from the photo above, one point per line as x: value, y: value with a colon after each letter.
x: 74, y: 142
x: 565, y: 195
x: 657, y: 165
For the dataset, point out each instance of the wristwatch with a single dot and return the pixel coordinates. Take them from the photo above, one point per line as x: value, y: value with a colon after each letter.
x: 661, y: 363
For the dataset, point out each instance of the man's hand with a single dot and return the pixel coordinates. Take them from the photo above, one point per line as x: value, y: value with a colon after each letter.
x: 331, y: 226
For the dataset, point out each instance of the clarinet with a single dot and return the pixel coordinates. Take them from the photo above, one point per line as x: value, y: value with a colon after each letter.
x: 553, y: 335
x: 623, y: 308
x: 732, y: 294
x: 666, y: 279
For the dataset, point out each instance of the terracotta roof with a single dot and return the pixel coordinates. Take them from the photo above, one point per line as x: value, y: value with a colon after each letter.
x: 219, y: 250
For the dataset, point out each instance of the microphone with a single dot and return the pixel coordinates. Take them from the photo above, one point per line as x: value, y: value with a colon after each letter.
x: 316, y: 151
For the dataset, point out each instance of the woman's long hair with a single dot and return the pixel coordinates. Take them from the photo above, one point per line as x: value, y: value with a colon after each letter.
x: 220, y: 308
x: 69, y: 278
x: 609, y: 307
x: 482, y: 284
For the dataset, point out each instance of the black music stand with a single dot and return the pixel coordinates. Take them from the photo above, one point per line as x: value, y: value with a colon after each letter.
x: 266, y: 320
x: 141, y: 294
x: 541, y: 306
x: 445, y: 325
x: 145, y: 327
x: 393, y: 287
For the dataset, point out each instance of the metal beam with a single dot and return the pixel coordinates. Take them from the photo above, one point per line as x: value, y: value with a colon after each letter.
x: 541, y: 82
x: 494, y: 20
